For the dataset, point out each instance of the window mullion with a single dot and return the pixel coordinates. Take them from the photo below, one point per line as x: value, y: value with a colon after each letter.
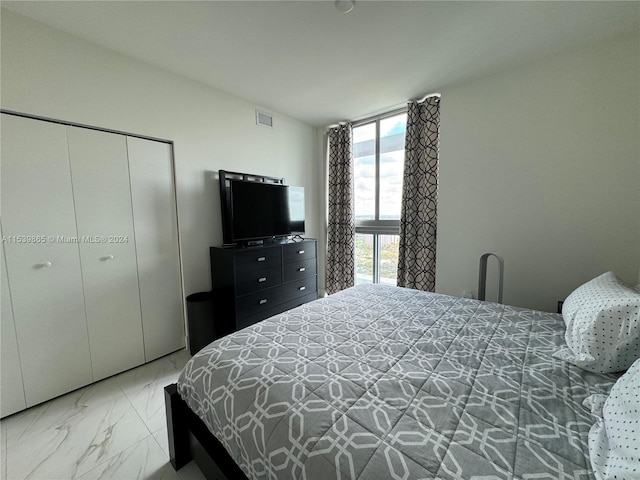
x: 377, y: 202
x: 376, y: 258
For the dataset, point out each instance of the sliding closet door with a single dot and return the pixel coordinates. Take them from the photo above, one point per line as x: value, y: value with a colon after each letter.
x: 154, y: 215
x: 100, y: 172
x: 12, y: 391
x: 43, y: 270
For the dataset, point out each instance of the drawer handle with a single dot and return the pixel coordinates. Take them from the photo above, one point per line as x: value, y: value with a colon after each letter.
x: 302, y: 288
x: 302, y: 269
x: 300, y: 252
x: 262, y: 279
x: 106, y: 257
x: 262, y: 259
x: 46, y: 264
x: 263, y: 301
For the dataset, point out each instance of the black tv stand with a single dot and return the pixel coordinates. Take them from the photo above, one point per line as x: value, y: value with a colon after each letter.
x: 252, y: 283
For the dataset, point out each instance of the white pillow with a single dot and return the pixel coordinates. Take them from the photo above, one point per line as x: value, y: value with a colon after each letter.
x: 603, y: 325
x: 614, y: 440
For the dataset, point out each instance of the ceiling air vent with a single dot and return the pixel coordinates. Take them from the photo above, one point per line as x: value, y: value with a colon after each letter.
x: 264, y: 119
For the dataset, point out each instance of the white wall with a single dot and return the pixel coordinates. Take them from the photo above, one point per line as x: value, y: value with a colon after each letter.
x: 49, y: 73
x: 541, y: 164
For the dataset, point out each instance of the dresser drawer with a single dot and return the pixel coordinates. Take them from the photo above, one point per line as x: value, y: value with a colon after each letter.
x: 269, y: 312
x: 258, y: 258
x: 256, y: 280
x: 299, y: 288
x: 299, y: 269
x: 253, y: 303
x: 298, y: 251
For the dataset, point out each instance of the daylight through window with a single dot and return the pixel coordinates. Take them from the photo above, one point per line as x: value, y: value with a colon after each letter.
x: 378, y: 150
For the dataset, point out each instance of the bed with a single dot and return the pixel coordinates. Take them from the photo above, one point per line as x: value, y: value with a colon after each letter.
x: 382, y: 382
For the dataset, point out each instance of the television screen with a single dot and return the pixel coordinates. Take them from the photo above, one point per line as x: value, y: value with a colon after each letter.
x: 259, y: 210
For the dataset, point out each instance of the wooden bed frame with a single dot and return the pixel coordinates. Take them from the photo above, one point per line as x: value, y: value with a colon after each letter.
x: 190, y: 439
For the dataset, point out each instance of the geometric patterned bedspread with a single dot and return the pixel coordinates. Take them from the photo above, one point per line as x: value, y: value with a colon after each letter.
x: 381, y: 382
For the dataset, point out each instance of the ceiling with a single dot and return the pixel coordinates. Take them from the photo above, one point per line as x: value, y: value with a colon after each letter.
x: 307, y: 60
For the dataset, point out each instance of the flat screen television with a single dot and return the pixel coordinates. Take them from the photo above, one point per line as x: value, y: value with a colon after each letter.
x: 254, y: 211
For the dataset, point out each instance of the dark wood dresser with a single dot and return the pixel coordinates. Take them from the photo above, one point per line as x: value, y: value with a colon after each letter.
x: 253, y: 283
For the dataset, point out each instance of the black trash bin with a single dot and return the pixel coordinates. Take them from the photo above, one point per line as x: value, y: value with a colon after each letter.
x: 201, y: 320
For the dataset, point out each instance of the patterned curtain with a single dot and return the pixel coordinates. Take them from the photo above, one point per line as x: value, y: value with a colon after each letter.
x: 418, y: 221
x: 341, y: 227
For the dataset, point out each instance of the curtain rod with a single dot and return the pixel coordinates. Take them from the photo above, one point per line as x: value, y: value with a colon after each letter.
x: 388, y: 113
x: 362, y: 121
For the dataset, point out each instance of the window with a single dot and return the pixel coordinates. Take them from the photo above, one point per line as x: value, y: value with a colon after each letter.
x: 378, y: 151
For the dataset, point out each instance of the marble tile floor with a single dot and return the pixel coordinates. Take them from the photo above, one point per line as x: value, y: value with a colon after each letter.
x: 113, y: 429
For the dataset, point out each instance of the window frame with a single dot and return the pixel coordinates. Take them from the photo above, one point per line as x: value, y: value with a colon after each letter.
x: 377, y: 227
